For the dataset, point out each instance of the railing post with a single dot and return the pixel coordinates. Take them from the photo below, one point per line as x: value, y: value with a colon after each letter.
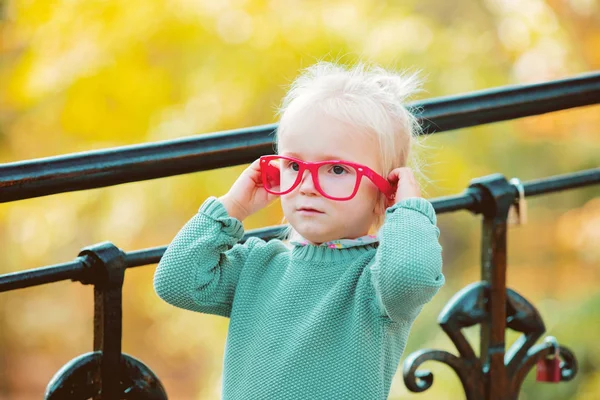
x: 108, y: 268
x: 105, y: 373
x: 497, y: 198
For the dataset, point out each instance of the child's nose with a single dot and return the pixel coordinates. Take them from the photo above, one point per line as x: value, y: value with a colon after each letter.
x: 307, y: 186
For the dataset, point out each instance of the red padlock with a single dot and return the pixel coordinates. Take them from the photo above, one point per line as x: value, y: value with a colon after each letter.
x: 548, y: 369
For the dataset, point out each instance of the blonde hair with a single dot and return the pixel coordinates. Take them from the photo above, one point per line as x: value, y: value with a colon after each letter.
x: 368, y: 97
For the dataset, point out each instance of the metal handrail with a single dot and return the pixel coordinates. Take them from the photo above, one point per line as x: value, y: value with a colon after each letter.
x: 101, y: 168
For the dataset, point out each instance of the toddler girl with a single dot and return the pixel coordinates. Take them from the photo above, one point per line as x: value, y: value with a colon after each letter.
x: 329, y: 316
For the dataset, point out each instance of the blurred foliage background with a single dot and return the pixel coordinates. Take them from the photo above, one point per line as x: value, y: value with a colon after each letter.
x: 85, y: 75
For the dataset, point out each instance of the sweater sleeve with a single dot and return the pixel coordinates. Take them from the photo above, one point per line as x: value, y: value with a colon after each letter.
x: 199, y: 270
x: 407, y: 269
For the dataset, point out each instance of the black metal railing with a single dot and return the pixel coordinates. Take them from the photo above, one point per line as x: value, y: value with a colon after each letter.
x: 107, y: 373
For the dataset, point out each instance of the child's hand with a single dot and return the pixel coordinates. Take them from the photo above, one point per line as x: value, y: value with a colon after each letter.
x: 247, y: 195
x: 407, y: 184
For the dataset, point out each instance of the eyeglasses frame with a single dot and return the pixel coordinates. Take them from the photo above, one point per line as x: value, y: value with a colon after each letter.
x: 313, y: 166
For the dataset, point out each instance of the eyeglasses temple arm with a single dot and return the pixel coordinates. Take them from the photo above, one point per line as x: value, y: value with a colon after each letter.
x: 388, y: 189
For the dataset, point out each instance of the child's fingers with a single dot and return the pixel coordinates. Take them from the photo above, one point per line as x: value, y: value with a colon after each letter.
x: 405, y: 182
x: 254, y: 172
x: 393, y: 176
x: 255, y: 166
x: 396, y: 174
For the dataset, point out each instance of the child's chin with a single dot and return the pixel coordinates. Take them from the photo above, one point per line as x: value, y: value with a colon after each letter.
x: 315, y: 235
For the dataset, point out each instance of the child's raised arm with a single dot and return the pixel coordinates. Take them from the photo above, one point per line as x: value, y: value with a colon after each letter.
x: 407, y: 271
x: 200, y: 268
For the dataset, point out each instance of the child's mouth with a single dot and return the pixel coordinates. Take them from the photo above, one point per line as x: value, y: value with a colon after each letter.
x: 309, y: 211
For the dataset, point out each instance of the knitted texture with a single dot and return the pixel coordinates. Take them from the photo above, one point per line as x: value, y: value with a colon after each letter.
x: 309, y: 322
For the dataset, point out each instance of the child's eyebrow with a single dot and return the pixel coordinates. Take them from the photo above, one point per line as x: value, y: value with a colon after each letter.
x: 322, y: 158
x: 332, y: 157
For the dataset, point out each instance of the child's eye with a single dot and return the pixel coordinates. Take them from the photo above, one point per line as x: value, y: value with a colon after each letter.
x: 338, y: 169
x: 291, y: 165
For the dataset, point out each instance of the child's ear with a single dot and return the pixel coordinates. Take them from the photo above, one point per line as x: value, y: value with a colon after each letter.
x: 380, y: 205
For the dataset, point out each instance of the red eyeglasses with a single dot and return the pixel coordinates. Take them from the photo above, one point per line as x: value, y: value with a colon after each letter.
x: 334, y: 179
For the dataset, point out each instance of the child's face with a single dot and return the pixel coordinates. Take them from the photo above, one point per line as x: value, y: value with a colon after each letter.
x: 312, y: 136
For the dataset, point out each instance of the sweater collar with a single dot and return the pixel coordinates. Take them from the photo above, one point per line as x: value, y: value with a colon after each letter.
x: 331, y: 254
x: 340, y: 243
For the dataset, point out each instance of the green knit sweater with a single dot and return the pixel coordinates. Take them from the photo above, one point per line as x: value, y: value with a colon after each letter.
x: 309, y: 322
